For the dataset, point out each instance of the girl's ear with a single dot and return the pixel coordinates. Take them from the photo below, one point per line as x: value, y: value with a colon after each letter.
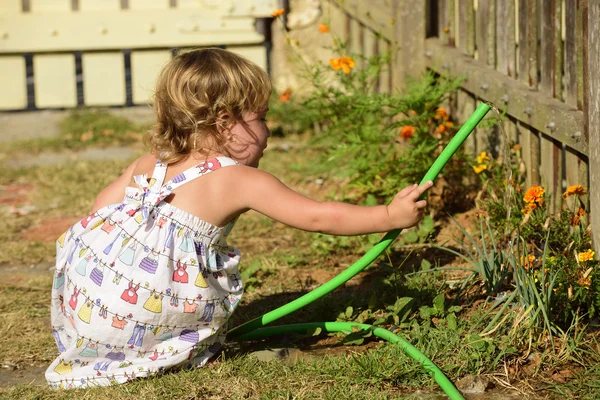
x: 224, y: 122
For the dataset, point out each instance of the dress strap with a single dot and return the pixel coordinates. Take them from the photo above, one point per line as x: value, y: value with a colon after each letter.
x: 198, y: 170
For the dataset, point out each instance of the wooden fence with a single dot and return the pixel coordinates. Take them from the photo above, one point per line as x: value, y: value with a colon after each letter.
x: 65, y: 53
x: 538, y: 61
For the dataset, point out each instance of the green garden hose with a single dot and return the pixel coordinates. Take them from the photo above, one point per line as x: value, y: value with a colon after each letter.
x: 254, y: 328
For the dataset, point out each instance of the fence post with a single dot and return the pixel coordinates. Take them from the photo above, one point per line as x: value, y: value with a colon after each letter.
x: 409, y: 40
x: 592, y: 115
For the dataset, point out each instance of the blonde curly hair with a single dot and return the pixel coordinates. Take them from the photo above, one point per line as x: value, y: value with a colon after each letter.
x: 193, y: 92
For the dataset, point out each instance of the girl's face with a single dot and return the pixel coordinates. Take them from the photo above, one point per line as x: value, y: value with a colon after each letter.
x: 249, y: 138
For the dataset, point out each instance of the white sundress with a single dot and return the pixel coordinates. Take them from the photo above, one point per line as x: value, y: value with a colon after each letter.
x: 141, y: 286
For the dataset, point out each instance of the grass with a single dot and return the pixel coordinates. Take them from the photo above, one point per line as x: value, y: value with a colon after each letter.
x: 83, y: 129
x: 279, y: 265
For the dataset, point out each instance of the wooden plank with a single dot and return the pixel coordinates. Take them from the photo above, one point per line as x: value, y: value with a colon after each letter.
x: 256, y: 54
x: 36, y: 6
x: 550, y: 170
x: 505, y: 37
x: 336, y: 19
x: 527, y: 53
x: 355, y: 38
x: 370, y: 49
x: 114, y: 30
x: 452, y: 16
x: 95, y: 5
x: 104, y: 79
x: 466, y: 105
x: 385, y: 76
x: 11, y: 6
x: 442, y: 20
x: 559, y: 45
x: 410, y: 32
x: 524, y: 104
x: 377, y: 15
x: 54, y: 80
x: 149, y: 4
x: 466, y: 27
x: 482, y: 22
x: 547, y: 48
x: 145, y: 67
x: 592, y: 105
x: 13, y: 81
x: 570, y: 57
x: 581, y: 48
x: 505, y: 63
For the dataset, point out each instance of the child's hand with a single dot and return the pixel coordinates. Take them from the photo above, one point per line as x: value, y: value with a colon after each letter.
x: 406, y: 209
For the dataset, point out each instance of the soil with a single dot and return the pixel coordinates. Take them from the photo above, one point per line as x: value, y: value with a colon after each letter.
x: 49, y: 229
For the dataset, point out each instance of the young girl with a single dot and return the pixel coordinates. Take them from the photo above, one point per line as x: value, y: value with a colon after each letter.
x: 147, y: 281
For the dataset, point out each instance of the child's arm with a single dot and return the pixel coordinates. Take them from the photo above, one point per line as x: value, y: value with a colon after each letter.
x: 114, y: 192
x: 264, y: 193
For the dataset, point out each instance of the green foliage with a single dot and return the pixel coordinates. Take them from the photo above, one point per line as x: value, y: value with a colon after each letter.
x: 544, y: 250
x: 253, y: 273
x: 396, y: 135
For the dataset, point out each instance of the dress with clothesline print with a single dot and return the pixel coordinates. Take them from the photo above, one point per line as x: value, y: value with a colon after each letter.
x: 141, y: 286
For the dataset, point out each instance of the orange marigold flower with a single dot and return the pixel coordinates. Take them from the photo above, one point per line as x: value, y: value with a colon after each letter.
x: 407, y: 132
x: 517, y: 147
x: 529, y: 208
x: 585, y: 282
x: 535, y: 194
x: 323, y: 28
x: 574, y: 190
x: 576, y: 220
x: 581, y: 211
x: 441, y: 113
x: 587, y: 255
x: 344, y: 63
x: 285, y: 95
x: 442, y: 128
x: 446, y: 29
x: 449, y: 124
x: 277, y: 13
x: 527, y: 262
x: 479, y: 168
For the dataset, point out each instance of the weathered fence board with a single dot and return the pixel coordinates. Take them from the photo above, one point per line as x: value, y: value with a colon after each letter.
x: 592, y: 112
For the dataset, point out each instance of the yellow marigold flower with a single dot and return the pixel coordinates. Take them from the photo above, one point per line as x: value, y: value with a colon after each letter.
x: 587, y: 255
x: 529, y: 208
x: 534, y: 194
x: 277, y: 13
x: 344, y: 63
x: 479, y: 168
x: 407, y: 132
x: 483, y: 156
x: 574, y: 190
x: 323, y: 28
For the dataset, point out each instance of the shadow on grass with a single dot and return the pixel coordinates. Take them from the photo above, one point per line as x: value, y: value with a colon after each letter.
x: 377, y: 287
